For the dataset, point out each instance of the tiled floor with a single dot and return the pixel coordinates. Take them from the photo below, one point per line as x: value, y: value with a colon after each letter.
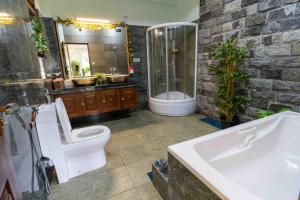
x: 136, y: 142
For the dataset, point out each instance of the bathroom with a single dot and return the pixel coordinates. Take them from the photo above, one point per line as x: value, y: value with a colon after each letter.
x: 126, y: 100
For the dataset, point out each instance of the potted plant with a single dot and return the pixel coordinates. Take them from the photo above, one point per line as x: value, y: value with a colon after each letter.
x: 101, y: 78
x: 229, y: 81
x: 39, y: 38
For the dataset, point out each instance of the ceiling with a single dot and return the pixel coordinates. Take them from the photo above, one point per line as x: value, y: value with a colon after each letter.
x: 139, y: 12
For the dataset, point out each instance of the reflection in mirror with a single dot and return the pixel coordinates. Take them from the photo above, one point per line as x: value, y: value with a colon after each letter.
x: 102, y: 51
x: 77, y: 59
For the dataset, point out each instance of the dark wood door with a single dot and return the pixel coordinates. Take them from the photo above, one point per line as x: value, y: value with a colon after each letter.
x: 90, y: 104
x: 72, y: 104
x: 8, y: 186
x: 128, y: 98
x: 111, y: 100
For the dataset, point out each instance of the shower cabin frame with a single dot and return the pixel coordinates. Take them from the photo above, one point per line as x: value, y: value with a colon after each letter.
x: 172, y: 107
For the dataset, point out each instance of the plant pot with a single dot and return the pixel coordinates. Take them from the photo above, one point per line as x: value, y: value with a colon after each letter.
x: 224, y: 124
x: 100, y: 81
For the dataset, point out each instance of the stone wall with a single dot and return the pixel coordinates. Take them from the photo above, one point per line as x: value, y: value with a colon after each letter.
x: 270, y: 30
x: 19, y: 61
x: 52, y: 62
x: 138, y: 38
x: 183, y: 184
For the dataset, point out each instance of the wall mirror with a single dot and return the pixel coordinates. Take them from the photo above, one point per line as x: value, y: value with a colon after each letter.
x: 86, y: 52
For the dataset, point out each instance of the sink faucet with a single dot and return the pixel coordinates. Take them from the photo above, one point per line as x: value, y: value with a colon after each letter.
x: 113, y: 70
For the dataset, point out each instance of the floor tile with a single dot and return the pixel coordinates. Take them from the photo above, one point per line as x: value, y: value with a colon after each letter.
x: 135, y: 153
x: 128, y: 138
x: 111, y: 182
x: 113, y: 157
x: 127, y: 195
x: 148, y: 192
x: 137, y: 140
x: 138, y: 171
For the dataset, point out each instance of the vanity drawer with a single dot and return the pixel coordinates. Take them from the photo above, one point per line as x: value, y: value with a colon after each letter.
x: 128, y: 98
x: 111, y: 100
x: 72, y: 104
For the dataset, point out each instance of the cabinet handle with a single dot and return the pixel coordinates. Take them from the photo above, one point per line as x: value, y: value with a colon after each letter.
x: 110, y: 100
x: 82, y: 104
x: 103, y: 101
x: 122, y: 99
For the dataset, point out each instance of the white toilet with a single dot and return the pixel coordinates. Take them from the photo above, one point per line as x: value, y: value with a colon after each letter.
x: 73, y: 151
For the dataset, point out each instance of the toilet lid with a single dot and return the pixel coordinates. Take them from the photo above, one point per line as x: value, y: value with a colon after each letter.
x: 64, y: 119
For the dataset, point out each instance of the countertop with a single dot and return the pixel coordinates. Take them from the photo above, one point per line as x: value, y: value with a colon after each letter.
x: 94, y: 88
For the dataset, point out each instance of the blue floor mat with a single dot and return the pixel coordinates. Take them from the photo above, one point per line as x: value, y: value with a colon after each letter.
x: 211, y: 121
x: 150, y: 174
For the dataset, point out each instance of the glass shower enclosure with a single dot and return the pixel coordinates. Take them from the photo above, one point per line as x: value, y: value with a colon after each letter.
x: 172, y: 63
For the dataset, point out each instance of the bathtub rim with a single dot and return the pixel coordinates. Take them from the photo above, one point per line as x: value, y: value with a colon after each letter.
x: 227, y: 190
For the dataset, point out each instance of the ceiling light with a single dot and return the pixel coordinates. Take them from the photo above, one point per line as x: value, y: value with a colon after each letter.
x: 5, y: 19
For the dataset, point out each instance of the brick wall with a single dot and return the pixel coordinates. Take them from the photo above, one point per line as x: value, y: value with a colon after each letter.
x: 270, y: 30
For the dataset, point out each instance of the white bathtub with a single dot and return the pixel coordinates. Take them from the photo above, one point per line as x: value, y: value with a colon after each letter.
x: 253, y: 161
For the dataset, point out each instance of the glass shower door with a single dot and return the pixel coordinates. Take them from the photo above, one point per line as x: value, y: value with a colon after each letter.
x: 157, y: 61
x: 176, y: 54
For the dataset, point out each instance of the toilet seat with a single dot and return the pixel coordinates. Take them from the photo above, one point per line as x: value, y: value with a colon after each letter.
x: 89, y: 133
x: 80, y: 134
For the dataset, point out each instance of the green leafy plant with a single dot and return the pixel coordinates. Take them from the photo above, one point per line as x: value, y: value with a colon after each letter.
x: 100, y: 75
x: 101, y: 78
x: 75, y: 65
x: 266, y: 113
x: 228, y: 78
x: 39, y: 38
x: 263, y: 114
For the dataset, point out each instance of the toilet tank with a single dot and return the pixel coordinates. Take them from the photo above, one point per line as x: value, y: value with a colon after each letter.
x: 48, y: 129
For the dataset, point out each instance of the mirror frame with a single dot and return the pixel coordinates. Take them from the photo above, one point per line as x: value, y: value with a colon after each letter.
x: 68, y: 22
x: 79, y: 43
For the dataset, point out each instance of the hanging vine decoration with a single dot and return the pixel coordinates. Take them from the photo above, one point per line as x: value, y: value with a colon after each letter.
x: 129, y: 46
x: 38, y: 35
x: 97, y: 27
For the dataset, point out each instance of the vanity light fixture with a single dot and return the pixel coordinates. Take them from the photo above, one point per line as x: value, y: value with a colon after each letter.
x: 5, y: 18
x: 92, y: 21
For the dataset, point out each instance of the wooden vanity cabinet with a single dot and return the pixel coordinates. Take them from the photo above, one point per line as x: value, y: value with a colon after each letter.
x: 72, y: 104
x: 90, y: 103
x: 111, y: 100
x: 128, y: 98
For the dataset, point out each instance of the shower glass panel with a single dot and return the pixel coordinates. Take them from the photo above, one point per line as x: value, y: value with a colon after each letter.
x: 176, y: 56
x: 172, y: 56
x: 189, y: 62
x: 157, y: 50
